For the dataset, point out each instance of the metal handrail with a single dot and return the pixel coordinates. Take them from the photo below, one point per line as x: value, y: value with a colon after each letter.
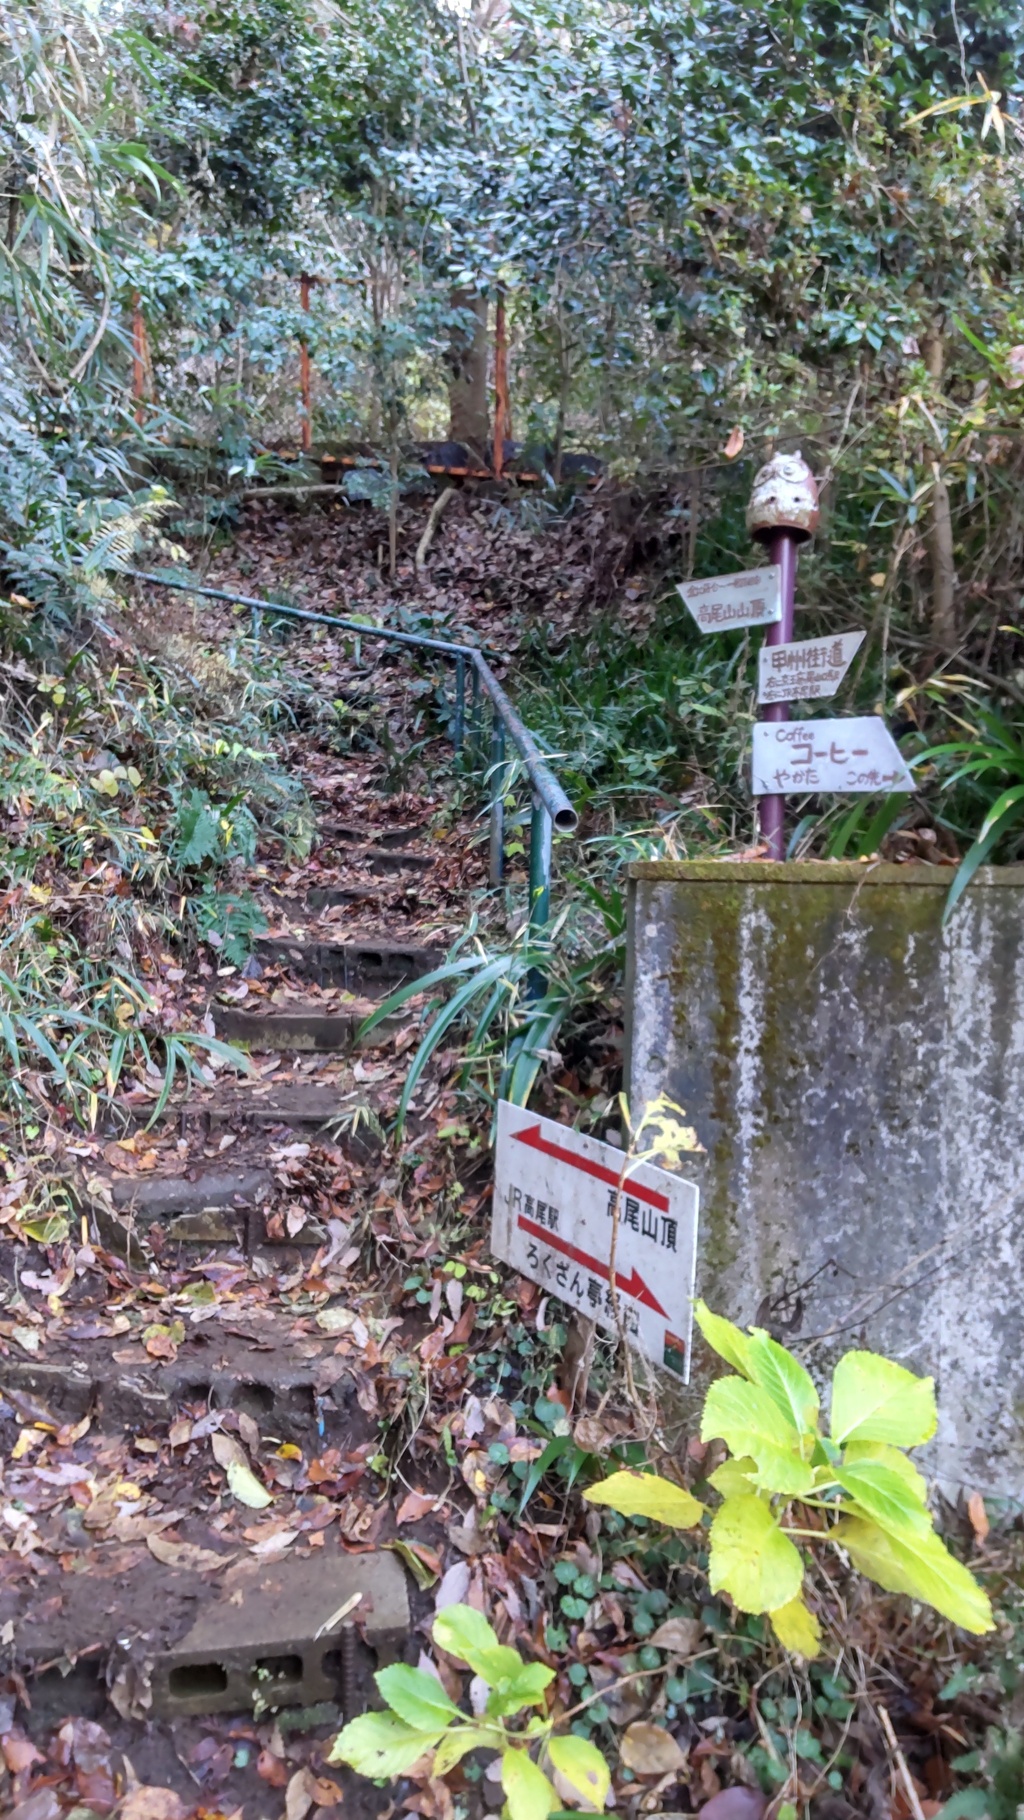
x: 552, y: 809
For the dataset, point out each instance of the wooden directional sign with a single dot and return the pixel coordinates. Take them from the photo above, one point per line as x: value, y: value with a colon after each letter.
x: 852, y: 757
x: 555, y: 1198
x: 808, y: 671
x: 721, y: 603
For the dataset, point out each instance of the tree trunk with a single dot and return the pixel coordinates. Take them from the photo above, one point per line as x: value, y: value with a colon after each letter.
x: 467, y: 383
x: 939, y: 537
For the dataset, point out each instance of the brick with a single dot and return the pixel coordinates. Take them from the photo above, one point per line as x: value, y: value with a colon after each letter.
x: 257, y: 1646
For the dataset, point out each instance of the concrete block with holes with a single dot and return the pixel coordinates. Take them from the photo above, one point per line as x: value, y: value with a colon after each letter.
x: 273, y: 1638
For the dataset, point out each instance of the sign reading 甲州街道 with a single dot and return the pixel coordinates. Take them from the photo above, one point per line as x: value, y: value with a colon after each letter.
x: 808, y: 671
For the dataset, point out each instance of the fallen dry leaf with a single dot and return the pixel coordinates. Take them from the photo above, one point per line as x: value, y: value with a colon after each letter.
x: 679, y: 1636
x: 414, y: 1505
x: 184, y: 1554
x: 978, y: 1515
x: 152, y: 1804
x: 736, y: 1803
x: 299, y: 1798
x: 648, y: 1751
x: 271, y: 1769
x: 734, y: 446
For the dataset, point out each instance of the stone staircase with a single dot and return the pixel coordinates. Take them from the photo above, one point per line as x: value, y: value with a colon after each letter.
x: 216, y: 1194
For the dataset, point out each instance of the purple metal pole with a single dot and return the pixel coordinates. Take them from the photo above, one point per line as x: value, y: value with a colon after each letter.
x: 772, y: 809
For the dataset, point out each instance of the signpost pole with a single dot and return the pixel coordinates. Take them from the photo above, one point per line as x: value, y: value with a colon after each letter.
x: 783, y: 512
x: 772, y: 809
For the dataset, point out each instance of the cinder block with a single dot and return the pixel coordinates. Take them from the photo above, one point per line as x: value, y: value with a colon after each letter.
x: 264, y: 1643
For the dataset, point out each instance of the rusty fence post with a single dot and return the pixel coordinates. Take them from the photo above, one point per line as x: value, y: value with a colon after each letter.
x: 783, y: 513
x: 304, y: 380
x: 138, y: 356
x: 500, y: 384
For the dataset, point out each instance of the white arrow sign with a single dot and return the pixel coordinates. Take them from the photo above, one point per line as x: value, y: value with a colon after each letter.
x: 558, y: 1196
x: 852, y: 757
x: 807, y: 671
x: 721, y: 603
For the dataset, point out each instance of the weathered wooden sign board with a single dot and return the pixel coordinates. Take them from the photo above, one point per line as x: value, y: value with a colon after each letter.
x: 808, y: 671
x: 853, y: 757
x: 555, y: 1195
x: 721, y: 603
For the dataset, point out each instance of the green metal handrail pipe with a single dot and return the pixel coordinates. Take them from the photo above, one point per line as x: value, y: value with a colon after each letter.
x: 552, y: 810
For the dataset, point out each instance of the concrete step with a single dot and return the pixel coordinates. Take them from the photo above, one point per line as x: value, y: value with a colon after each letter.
x: 171, y: 1642
x: 383, y: 861
x: 299, y: 1105
x: 361, y: 835
x: 353, y: 965
x: 293, y: 1385
x: 299, y: 1027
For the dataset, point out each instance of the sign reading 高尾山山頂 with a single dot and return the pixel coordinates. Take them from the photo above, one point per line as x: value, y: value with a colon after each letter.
x: 851, y: 757
x: 808, y: 671
x: 556, y: 1192
x: 723, y: 603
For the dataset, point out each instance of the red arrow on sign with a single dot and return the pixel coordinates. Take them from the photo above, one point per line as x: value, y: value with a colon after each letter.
x: 531, y: 1135
x: 633, y: 1285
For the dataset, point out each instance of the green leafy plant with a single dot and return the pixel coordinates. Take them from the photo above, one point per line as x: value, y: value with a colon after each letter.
x: 510, y: 1027
x: 867, y: 1497
x: 1000, y: 1793
x: 420, y: 1717
x: 992, y: 756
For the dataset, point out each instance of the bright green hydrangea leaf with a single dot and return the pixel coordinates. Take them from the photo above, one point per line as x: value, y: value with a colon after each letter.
x: 921, y: 1566
x: 455, y: 1744
x: 734, y: 1478
x: 523, y: 1688
x: 874, y: 1399
x: 797, y: 1628
x: 583, y: 1767
x: 858, y: 1451
x: 751, y: 1559
x: 730, y: 1343
x: 784, y: 1378
x: 381, y: 1744
x: 417, y: 1698
x: 636, y: 1494
x: 466, y: 1635
x: 529, y: 1794
x: 884, y: 1496
x: 745, y: 1417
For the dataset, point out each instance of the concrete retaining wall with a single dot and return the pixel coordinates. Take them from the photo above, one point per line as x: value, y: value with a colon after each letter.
x: 857, y: 1075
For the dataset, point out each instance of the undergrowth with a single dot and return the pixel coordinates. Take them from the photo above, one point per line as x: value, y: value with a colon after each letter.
x: 138, y: 777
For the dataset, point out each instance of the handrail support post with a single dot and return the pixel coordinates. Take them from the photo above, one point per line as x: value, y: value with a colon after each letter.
x: 497, y: 828
x: 540, y: 886
x: 459, y: 722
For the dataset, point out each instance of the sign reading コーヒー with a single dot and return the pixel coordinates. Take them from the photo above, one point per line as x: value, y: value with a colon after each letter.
x: 721, y: 603
x: 555, y: 1197
x: 808, y: 671
x: 854, y: 757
